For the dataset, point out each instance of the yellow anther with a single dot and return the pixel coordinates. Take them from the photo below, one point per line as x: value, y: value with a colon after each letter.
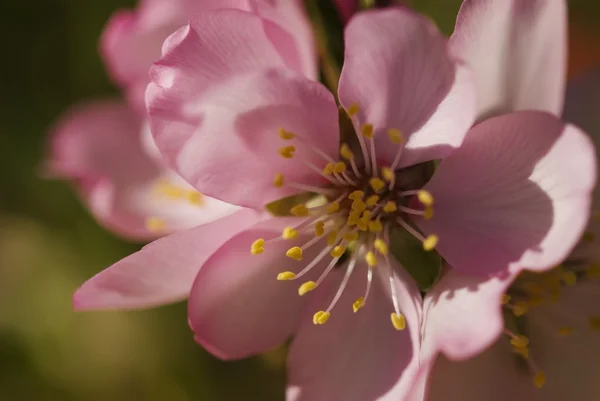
x: 351, y: 236
x: 520, y: 308
x: 257, y: 247
x: 564, y: 331
x: 195, y: 198
x: 428, y: 213
x: 366, y: 215
x: 539, y: 379
x: 155, y: 224
x: 390, y: 207
x: 593, y: 271
x: 338, y: 251
x: 353, y: 109
x: 358, y: 206
x: 289, y: 233
x: 387, y: 174
x: 356, y: 195
x: 524, y: 352
x: 286, y: 135
x: 284, y: 276
x: 377, y: 184
x: 164, y: 187
x: 375, y: 226
x: 345, y: 152
x: 287, y: 152
x: 367, y: 130
x: 505, y: 299
x: 319, y: 228
x: 425, y: 197
x: 332, y: 237
x: 381, y: 246
x: 519, y: 341
x: 333, y: 207
x: 321, y: 317
x: 372, y: 200
x: 299, y: 210
x: 371, y: 259
x: 569, y: 278
x: 294, y: 253
x: 398, y: 321
x: 594, y: 323
x: 353, y: 220
x: 395, y: 135
x: 589, y: 237
x: 362, y: 225
x: 278, y: 181
x: 430, y: 242
x: 306, y: 287
x: 339, y: 167
x: 328, y: 170
x: 359, y: 303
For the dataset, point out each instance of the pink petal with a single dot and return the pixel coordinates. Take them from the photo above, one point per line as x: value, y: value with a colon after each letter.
x: 517, y: 50
x: 98, y: 146
x: 357, y: 357
x: 233, y: 138
x: 399, y: 72
x: 513, y: 194
x: 163, y: 271
x: 237, y: 307
x: 463, y: 314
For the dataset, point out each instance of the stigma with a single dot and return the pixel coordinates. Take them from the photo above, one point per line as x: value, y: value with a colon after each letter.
x: 350, y: 218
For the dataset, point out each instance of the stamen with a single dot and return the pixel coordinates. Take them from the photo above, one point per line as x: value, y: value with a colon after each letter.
x: 358, y: 304
x: 278, y: 181
x: 257, y: 247
x: 353, y: 110
x: 375, y: 226
x: 367, y: 130
x: 285, y: 276
x: 372, y: 200
x: 343, y: 284
x: 371, y: 259
x: 299, y: 210
x: 333, y: 207
x: 387, y: 174
x: 377, y: 184
x: 539, y: 379
x: 338, y: 251
x: 287, y: 152
x: 381, y: 246
x: 155, y: 224
x: 289, y: 233
x: 306, y: 287
x: 429, y: 243
x: 195, y: 198
x: 328, y: 169
x: 321, y: 317
x: 390, y: 207
x: 286, y: 135
x: 319, y: 228
x: 294, y: 253
x: 395, y: 135
x: 356, y: 195
x: 345, y: 152
x: 505, y: 299
x: 398, y: 321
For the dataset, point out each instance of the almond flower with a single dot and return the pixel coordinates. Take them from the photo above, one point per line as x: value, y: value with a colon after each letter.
x: 105, y: 148
x: 538, y: 340
x: 241, y: 123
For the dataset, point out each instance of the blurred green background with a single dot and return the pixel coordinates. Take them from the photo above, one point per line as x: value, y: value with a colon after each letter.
x: 49, y: 244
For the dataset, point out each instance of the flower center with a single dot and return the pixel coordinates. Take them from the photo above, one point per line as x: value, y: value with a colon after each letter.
x: 351, y: 217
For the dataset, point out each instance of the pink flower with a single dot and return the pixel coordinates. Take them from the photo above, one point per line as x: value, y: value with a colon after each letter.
x: 541, y: 334
x: 112, y: 161
x: 508, y: 191
x: 132, y: 40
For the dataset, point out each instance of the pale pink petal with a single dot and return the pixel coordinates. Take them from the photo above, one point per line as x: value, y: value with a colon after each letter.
x: 517, y: 193
x: 517, y: 50
x: 357, y: 357
x: 163, y: 271
x: 399, y: 72
x: 463, y: 314
x: 235, y: 138
x: 237, y: 307
x: 99, y: 148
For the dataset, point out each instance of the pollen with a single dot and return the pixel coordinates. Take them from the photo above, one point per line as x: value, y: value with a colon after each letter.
x: 351, y: 236
x: 520, y: 309
x: 371, y: 259
x: 345, y: 152
x: 359, y: 303
x: 321, y: 317
x: 328, y: 170
x: 430, y: 242
x: 375, y: 226
x: 381, y: 246
x: 519, y: 341
x: 372, y: 200
x: 367, y: 130
x: 319, y: 228
x: 377, y: 184
x: 523, y: 352
x: 306, y: 287
x: 362, y: 225
x: 278, y: 181
x: 428, y: 215
x: 390, y: 207
x: 387, y: 174
x: 286, y: 135
x: 287, y: 152
x: 257, y: 247
x: 356, y: 195
x: 398, y: 321
x: 395, y: 135
x: 333, y: 207
x: 285, y: 276
x: 299, y: 210
x: 338, y: 251
x: 155, y: 224
x: 539, y: 379
x: 332, y: 237
x: 425, y: 197
x: 289, y: 233
x: 294, y: 253
x: 339, y: 167
x: 353, y: 110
